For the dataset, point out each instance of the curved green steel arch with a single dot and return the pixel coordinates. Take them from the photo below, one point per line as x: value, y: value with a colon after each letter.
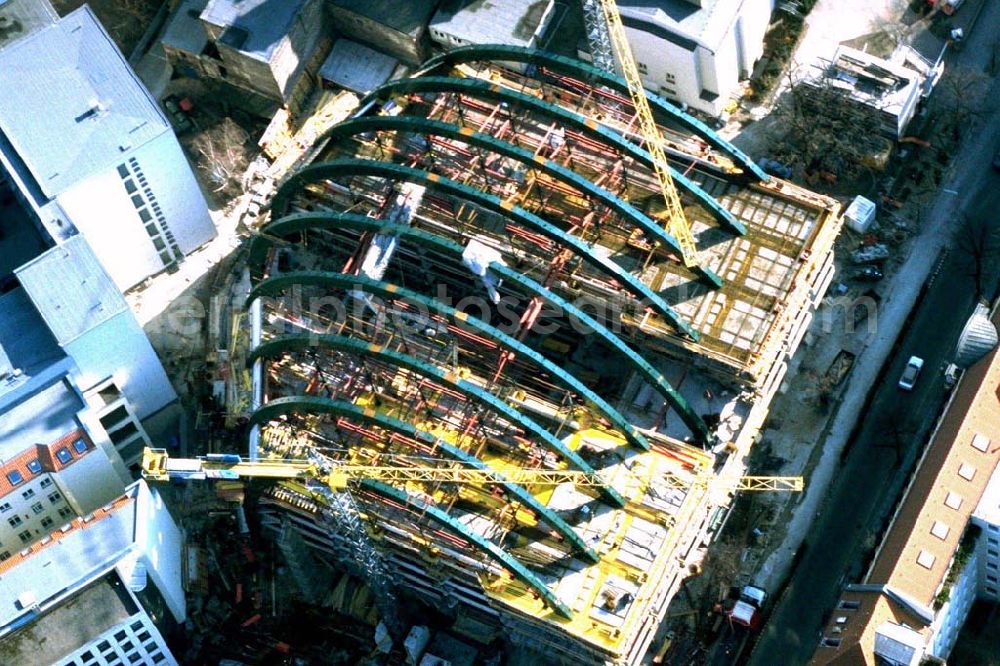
x: 276, y: 285
x: 342, y: 408
x: 353, y: 167
x: 492, y: 91
x: 420, y: 125
x: 505, y: 559
x: 288, y: 343
x: 589, y: 73
x: 295, y: 223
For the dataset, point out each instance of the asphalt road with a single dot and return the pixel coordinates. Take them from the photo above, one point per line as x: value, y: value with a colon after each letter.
x: 871, y: 477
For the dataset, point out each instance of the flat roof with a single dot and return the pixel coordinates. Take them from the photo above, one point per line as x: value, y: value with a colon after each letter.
x: 356, y: 67
x: 26, y: 340
x: 70, y: 289
x: 408, y: 17
x: 71, y: 105
x: 253, y: 27
x: 89, y: 613
x: 185, y: 31
x: 511, y: 22
x: 41, y: 419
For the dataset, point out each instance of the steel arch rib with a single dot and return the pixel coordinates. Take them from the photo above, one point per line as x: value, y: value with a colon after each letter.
x: 302, y: 221
x: 279, y: 283
x: 353, y: 167
x: 426, y: 126
x: 587, y: 72
x: 289, y: 343
x: 342, y: 408
x: 589, y: 127
x: 505, y: 559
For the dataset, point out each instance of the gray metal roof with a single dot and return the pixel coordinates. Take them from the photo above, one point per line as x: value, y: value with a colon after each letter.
x: 409, y: 17
x: 72, y: 562
x: 70, y: 289
x: 706, y: 25
x: 71, y: 106
x: 356, y: 67
x: 897, y: 644
x: 185, y: 31
x: 20, y: 18
x: 512, y: 22
x: 253, y: 27
x: 978, y: 338
x: 22, y: 426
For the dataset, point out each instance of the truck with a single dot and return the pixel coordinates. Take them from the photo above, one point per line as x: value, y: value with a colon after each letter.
x: 747, y: 609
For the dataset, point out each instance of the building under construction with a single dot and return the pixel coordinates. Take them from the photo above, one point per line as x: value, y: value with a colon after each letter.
x: 473, y: 271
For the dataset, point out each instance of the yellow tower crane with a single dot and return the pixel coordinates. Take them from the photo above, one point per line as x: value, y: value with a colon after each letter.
x: 157, y: 465
x: 676, y: 222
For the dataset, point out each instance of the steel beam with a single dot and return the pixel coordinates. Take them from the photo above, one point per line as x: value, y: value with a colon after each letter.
x: 291, y: 343
x: 353, y: 167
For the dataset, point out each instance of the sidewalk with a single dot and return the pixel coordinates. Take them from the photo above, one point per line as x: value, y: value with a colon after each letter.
x: 897, y: 303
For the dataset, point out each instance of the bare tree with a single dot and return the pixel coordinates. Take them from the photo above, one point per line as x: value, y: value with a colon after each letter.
x: 960, y: 96
x: 978, y: 240
x: 825, y: 132
x: 223, y: 156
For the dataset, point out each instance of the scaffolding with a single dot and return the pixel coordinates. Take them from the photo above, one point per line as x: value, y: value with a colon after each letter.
x: 471, y: 271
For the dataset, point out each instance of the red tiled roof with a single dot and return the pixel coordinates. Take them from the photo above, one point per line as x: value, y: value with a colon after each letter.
x: 974, y: 409
x: 46, y: 455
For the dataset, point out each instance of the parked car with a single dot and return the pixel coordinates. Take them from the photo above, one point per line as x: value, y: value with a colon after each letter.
x: 910, y: 373
x: 869, y: 274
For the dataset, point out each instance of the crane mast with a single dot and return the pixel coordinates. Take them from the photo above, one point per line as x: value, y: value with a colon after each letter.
x: 676, y: 222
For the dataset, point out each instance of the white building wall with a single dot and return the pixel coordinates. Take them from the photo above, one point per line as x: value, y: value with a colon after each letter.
x: 140, y: 220
x: 949, y: 620
x: 89, y: 483
x: 133, y: 365
x: 136, y: 640
x: 161, y: 545
x: 683, y: 75
x: 32, y: 510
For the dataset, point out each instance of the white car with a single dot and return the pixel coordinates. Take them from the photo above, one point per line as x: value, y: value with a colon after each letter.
x: 910, y: 373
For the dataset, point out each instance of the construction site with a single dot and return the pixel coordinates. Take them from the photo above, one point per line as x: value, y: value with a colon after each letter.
x: 468, y: 300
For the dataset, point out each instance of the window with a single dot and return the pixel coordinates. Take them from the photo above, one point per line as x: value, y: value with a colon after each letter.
x: 642, y: 68
x: 80, y: 445
x: 63, y: 455
x: 967, y: 471
x: 34, y: 466
x: 953, y: 501
x: 14, y: 521
x: 5, y: 555
x: 994, y: 528
x: 991, y: 565
x: 992, y: 579
x: 993, y: 542
x: 159, y: 244
x: 849, y: 605
x: 28, y: 494
x: 47, y: 522
x: 940, y: 530
x: 14, y: 477
x: 37, y: 508
x: 991, y: 590
x: 54, y: 497
x: 130, y: 186
x: 5, y: 507
x: 831, y: 642
x: 145, y: 216
x: 25, y: 536
x: 925, y: 559
x: 137, y: 201
x: 980, y: 442
x: 45, y: 483
x: 123, y: 171
x: 993, y: 553
x: 669, y: 78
